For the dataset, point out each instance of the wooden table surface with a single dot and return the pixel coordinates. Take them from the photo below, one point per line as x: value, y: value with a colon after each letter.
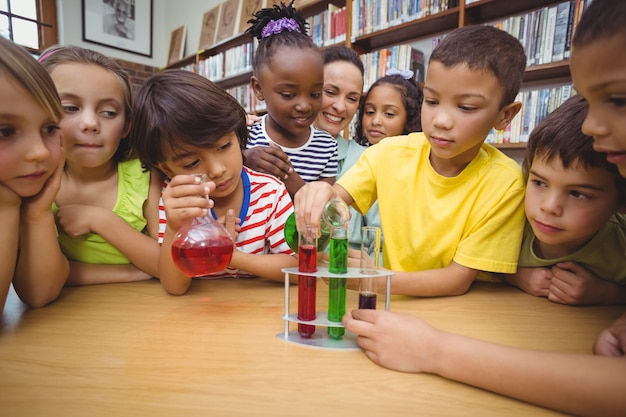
x: 132, y: 350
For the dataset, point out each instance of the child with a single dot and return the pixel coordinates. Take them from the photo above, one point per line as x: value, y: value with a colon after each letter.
x: 288, y: 75
x: 107, y: 206
x: 208, y: 137
x: 31, y: 165
x: 574, y: 242
x: 391, y: 107
x: 450, y: 205
x: 578, y: 384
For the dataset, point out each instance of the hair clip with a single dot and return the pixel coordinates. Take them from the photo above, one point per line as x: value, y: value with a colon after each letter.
x: 406, y: 74
x: 275, y: 27
x: 46, y: 55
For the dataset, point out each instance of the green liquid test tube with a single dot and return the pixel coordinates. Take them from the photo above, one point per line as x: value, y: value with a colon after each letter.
x: 337, y: 286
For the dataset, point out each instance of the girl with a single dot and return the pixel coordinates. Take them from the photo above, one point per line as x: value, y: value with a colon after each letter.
x: 209, y: 138
x: 391, y: 107
x: 288, y: 75
x: 31, y: 166
x: 107, y: 206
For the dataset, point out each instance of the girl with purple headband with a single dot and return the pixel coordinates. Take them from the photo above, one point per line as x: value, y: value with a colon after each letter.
x: 288, y: 74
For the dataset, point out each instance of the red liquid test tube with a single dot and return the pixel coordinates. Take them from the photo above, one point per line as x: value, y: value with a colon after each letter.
x: 307, y: 285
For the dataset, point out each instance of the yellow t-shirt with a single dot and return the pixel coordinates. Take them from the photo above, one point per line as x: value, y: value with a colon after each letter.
x: 133, y: 185
x: 475, y: 219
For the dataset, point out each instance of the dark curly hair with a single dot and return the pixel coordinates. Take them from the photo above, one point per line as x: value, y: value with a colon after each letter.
x: 412, y: 97
x: 270, y: 44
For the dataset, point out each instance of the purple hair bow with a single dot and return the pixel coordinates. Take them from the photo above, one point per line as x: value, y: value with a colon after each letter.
x: 275, y: 27
x: 406, y: 74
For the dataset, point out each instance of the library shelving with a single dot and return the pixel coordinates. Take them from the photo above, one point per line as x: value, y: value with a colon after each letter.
x: 543, y: 26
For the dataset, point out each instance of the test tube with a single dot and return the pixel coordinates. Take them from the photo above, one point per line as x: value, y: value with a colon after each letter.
x: 370, y: 254
x: 337, y: 286
x: 307, y: 285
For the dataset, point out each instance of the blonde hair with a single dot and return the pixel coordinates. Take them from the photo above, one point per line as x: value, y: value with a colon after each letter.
x: 17, y: 63
x: 59, y: 55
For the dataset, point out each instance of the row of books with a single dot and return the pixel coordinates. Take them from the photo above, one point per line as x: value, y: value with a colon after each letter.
x: 370, y: 16
x: 545, y: 33
x: 233, y: 61
x: 400, y: 57
x: 536, y: 105
x: 328, y: 27
x: 245, y: 96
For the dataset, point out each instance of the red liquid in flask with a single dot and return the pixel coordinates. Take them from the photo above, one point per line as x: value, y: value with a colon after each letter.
x: 202, y: 258
x: 307, y: 287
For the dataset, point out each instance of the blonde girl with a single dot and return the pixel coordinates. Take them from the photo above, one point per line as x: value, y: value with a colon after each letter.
x: 107, y: 207
x: 31, y: 166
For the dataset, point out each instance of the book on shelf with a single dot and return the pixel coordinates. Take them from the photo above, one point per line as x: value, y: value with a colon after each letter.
x: 544, y: 33
x: 560, y: 31
x: 548, y: 36
x: 400, y: 57
x: 536, y: 105
x: 373, y: 15
x: 417, y: 65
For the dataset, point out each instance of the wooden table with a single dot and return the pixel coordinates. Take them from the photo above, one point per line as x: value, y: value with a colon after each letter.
x: 133, y: 350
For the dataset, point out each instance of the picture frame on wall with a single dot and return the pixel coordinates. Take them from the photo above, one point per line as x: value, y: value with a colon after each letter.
x: 228, y: 21
x: 248, y: 9
x: 177, y: 45
x: 209, y: 27
x: 120, y: 24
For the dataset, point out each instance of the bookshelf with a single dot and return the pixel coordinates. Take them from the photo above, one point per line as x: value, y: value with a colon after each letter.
x: 375, y: 25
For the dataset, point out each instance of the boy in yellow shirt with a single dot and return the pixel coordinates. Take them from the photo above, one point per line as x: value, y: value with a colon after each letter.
x: 450, y: 205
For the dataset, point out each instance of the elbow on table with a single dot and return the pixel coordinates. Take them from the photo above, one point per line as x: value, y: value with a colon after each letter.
x: 38, y: 299
x: 175, y: 289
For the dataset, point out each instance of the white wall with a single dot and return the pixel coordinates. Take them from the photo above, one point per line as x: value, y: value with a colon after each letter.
x: 167, y: 15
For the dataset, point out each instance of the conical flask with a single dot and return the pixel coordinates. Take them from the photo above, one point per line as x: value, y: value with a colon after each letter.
x: 336, y: 213
x: 203, y: 246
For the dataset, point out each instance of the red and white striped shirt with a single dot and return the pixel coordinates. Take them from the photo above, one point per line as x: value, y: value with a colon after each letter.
x: 266, y: 206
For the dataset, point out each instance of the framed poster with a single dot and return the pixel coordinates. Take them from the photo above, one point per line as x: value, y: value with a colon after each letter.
x: 177, y: 45
x: 121, y: 24
x: 248, y: 9
x: 229, y: 18
x: 209, y: 27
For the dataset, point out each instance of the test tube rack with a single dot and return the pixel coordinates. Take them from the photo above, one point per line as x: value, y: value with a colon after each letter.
x: 320, y: 339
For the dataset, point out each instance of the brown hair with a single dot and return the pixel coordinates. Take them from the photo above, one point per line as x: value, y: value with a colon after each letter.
x: 177, y: 108
x: 485, y: 48
x: 59, y: 55
x: 559, y: 135
x: 603, y: 19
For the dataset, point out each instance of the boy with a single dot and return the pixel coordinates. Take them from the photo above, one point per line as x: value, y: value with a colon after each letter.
x: 450, y: 205
x: 577, y: 384
x: 184, y: 124
x: 574, y: 243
